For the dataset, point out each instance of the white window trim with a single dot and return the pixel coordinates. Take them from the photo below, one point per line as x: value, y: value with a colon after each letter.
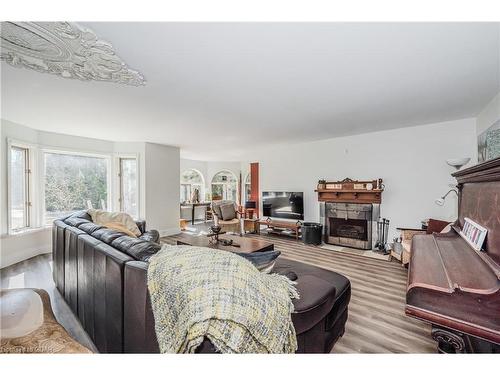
x: 32, y: 212
x: 65, y: 151
x: 37, y: 180
x: 202, y: 184
x: 117, y: 183
x: 224, y: 184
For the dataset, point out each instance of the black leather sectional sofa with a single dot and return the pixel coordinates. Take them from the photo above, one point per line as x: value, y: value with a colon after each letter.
x: 102, y: 275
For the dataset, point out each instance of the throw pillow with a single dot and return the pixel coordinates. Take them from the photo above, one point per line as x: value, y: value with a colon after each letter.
x: 101, y: 217
x: 120, y: 228
x: 262, y: 260
x: 228, y: 212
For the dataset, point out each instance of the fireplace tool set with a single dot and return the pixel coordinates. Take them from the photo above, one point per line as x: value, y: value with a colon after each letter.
x: 382, y: 233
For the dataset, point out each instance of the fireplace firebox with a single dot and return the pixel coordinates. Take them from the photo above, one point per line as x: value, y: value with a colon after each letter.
x: 349, y: 228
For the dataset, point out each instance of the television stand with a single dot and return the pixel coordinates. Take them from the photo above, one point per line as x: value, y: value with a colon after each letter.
x: 281, y: 227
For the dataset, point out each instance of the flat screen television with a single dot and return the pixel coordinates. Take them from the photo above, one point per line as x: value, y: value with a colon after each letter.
x: 283, y: 204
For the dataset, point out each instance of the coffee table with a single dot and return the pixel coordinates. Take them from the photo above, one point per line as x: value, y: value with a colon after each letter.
x: 247, y: 245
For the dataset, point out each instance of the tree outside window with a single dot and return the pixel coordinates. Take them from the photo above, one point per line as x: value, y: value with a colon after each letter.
x: 74, y: 182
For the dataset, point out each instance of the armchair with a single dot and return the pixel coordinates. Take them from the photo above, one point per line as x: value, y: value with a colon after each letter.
x: 226, y: 216
x: 408, y: 233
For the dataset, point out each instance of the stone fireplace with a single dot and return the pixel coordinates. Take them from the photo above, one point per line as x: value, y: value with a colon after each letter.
x: 349, y: 211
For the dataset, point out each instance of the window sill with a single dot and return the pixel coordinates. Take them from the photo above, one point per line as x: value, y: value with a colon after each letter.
x: 25, y: 232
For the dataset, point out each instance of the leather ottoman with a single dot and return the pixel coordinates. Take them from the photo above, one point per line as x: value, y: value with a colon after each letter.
x: 319, y: 318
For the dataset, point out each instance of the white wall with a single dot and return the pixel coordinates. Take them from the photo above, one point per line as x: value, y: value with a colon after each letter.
x: 411, y: 161
x: 162, y: 188
x: 489, y: 115
x: 158, y: 170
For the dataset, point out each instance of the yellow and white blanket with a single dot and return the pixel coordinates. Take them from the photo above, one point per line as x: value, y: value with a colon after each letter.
x: 198, y: 292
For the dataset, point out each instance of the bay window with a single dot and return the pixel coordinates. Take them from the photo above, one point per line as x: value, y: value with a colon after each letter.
x: 46, y: 184
x: 73, y: 182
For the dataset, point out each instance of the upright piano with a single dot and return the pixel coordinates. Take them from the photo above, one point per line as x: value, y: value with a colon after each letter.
x: 451, y: 285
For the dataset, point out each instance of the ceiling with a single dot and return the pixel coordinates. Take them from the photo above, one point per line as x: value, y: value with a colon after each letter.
x: 218, y: 90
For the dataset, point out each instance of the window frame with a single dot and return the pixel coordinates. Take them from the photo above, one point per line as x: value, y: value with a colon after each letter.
x: 29, y: 208
x: 248, y: 187
x: 63, y: 151
x: 224, y: 184
x: 118, y: 192
x: 201, y: 185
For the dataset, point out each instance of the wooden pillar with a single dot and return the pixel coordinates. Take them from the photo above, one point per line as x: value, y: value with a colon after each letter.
x: 254, y: 185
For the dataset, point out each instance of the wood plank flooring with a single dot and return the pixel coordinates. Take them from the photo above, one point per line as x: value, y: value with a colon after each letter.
x: 377, y: 322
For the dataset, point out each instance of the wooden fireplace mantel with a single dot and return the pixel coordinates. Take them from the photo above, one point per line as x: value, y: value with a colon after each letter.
x: 351, y: 191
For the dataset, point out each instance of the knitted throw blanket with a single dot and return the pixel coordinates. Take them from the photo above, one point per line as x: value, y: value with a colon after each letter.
x: 198, y: 292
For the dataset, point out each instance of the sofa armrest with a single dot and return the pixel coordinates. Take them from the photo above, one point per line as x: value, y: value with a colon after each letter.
x: 141, y: 224
x: 138, y: 320
x: 151, y: 235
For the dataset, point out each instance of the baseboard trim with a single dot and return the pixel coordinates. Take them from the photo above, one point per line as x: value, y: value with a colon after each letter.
x: 19, y: 256
x: 169, y: 232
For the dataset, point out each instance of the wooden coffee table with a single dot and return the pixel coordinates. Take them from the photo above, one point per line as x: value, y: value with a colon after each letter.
x: 247, y: 245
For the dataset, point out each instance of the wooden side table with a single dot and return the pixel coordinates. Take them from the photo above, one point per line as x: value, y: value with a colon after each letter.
x: 251, y: 226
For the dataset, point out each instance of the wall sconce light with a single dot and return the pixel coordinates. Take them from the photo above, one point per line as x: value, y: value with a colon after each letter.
x: 440, y: 201
x: 457, y: 163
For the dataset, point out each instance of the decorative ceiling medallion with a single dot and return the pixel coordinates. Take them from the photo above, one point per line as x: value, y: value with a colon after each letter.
x: 65, y: 49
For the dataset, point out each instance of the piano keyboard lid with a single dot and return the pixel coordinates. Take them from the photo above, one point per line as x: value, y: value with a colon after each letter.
x: 450, y: 265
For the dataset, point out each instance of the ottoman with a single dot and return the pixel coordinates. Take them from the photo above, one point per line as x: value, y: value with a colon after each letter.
x: 319, y: 318
x: 321, y: 312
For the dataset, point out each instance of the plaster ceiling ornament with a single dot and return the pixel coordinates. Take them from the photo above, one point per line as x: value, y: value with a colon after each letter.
x: 65, y: 49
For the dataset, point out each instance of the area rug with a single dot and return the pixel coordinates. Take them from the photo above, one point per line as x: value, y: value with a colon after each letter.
x: 29, y: 326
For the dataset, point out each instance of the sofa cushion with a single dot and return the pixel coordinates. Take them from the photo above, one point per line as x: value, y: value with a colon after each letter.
x: 82, y: 215
x: 76, y: 221
x: 107, y: 235
x: 89, y: 227
x: 136, y: 248
x: 227, y: 211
